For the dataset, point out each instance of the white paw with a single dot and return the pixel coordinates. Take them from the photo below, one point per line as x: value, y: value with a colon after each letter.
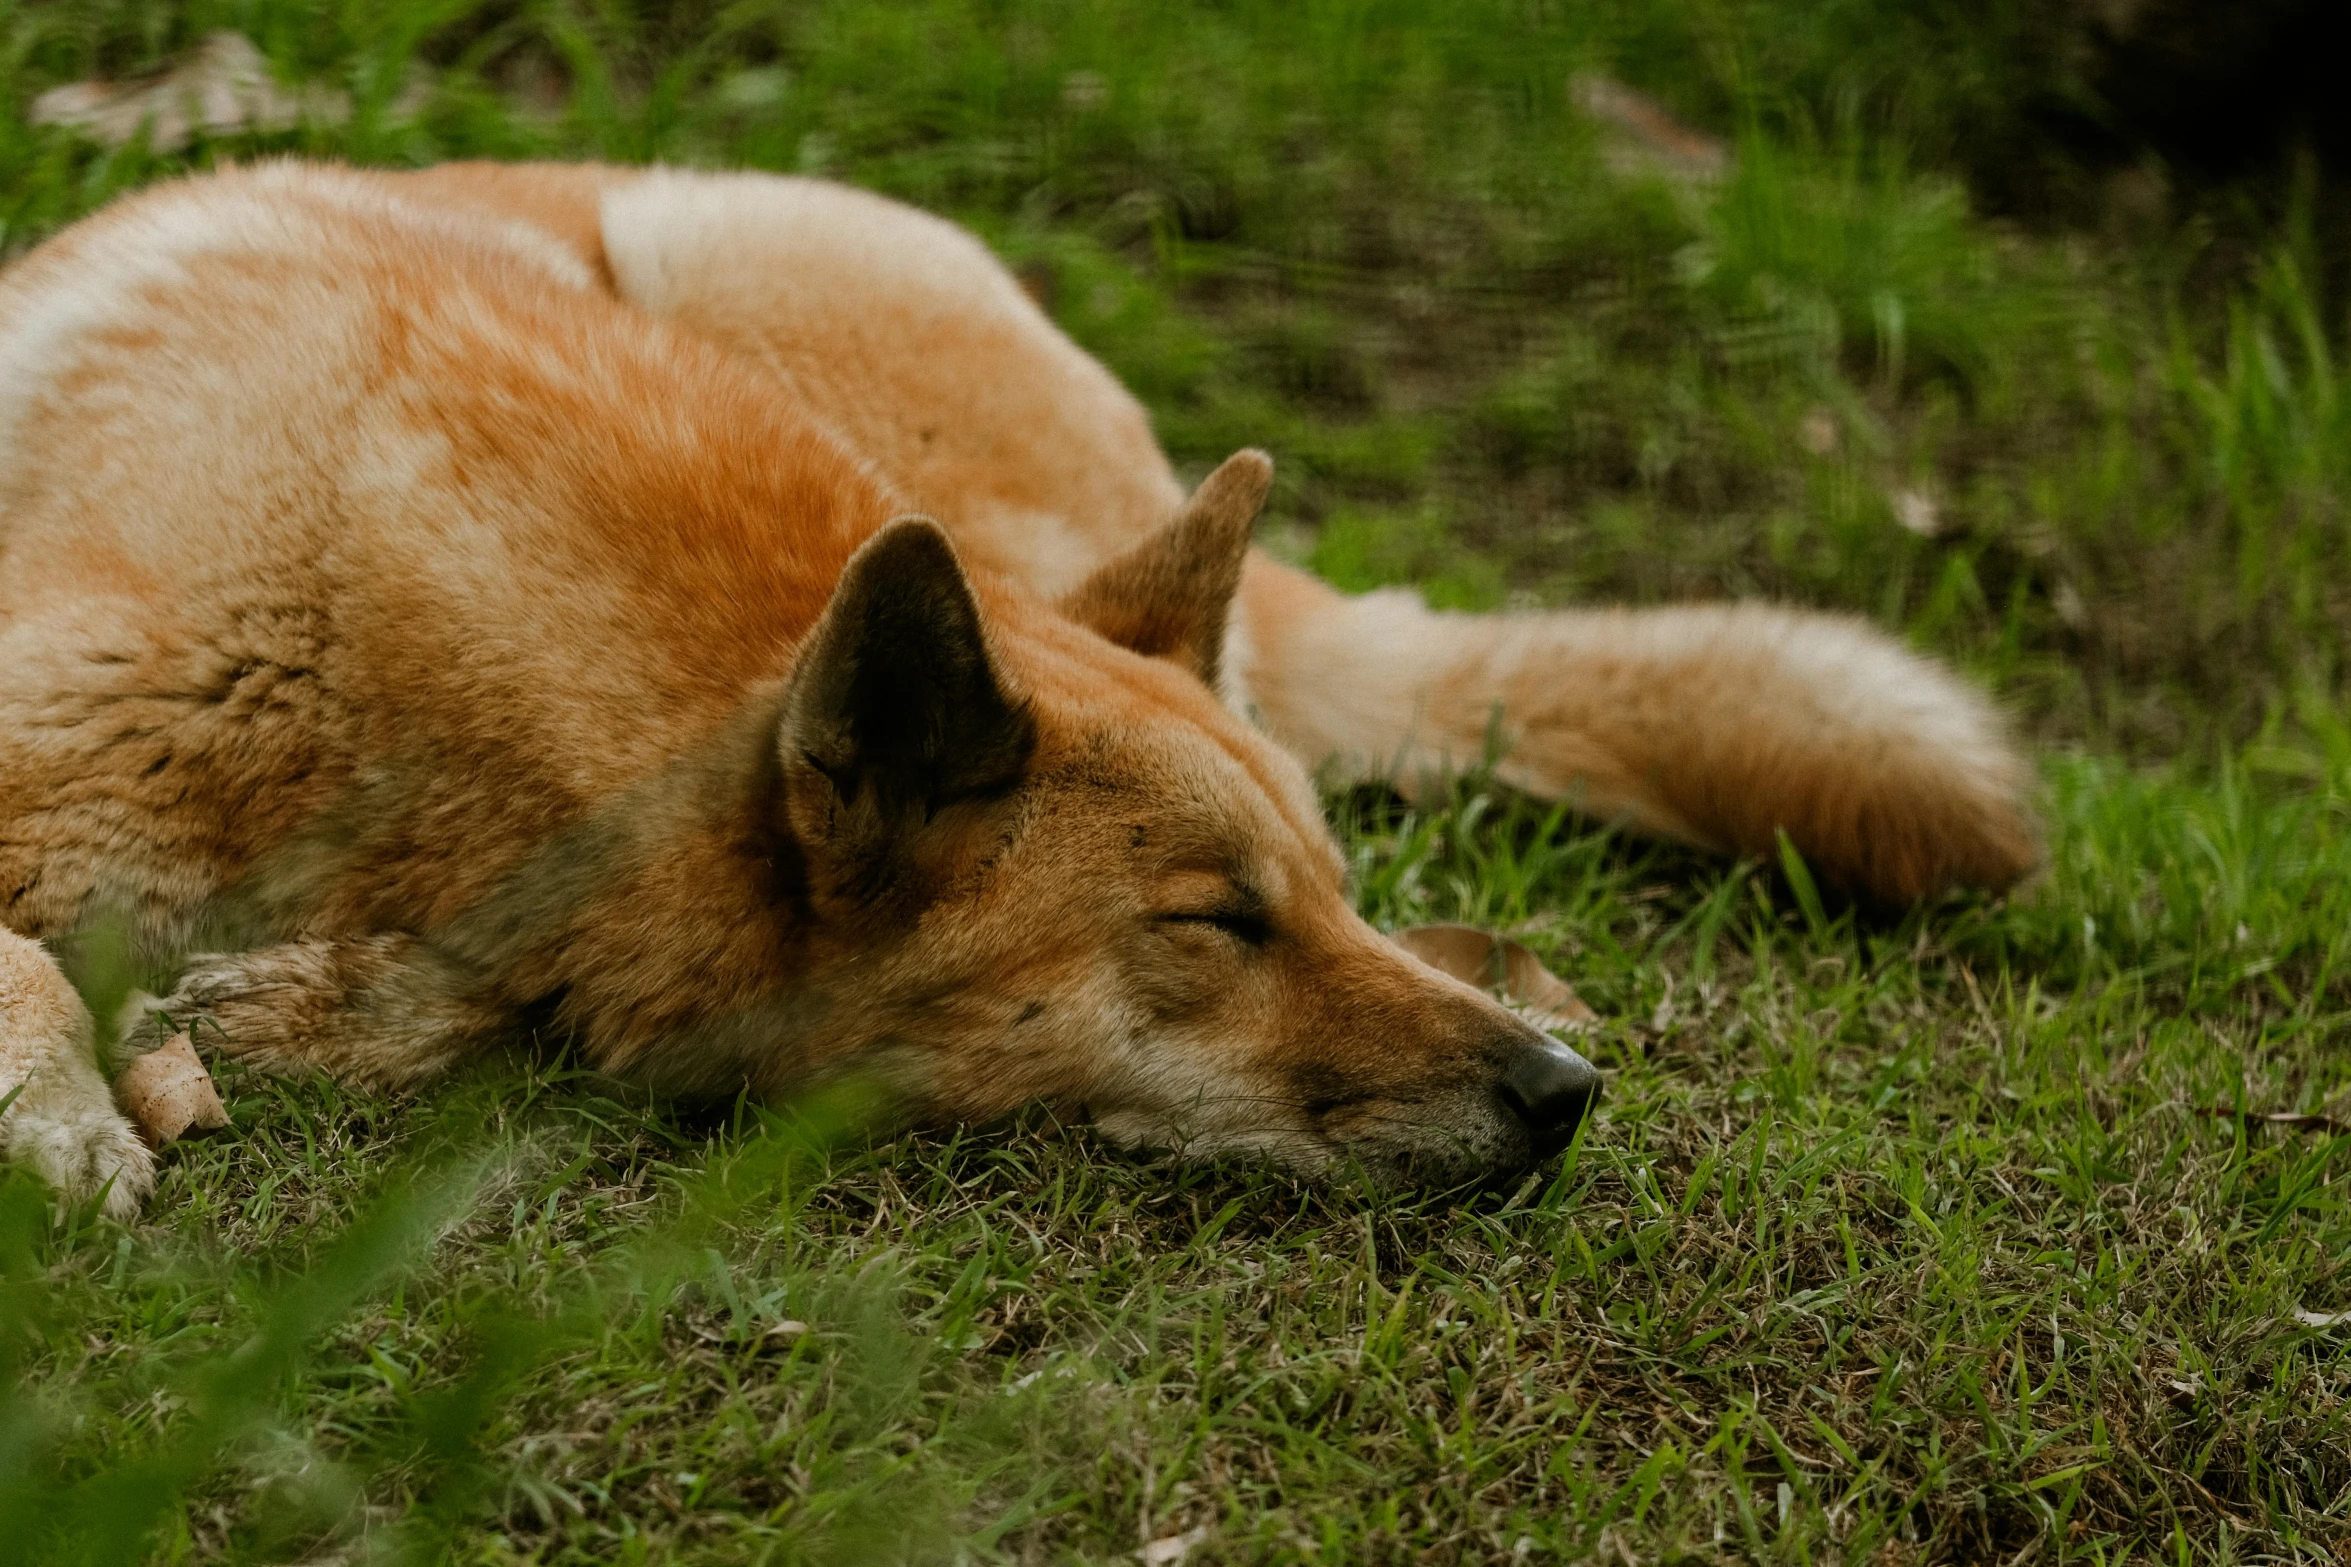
x: 83, y: 1153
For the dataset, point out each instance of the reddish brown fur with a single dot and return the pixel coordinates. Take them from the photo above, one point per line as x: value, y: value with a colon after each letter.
x: 481, y: 651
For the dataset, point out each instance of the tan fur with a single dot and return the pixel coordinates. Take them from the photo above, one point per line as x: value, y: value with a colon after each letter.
x: 459, y: 649
x: 446, y: 595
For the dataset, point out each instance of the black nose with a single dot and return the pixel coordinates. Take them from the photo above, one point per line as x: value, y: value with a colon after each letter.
x: 1551, y: 1089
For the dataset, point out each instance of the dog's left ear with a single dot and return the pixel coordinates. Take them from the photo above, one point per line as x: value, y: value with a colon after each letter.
x: 896, y: 709
x: 1170, y: 595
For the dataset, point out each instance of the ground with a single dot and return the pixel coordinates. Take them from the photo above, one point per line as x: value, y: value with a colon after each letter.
x: 2006, y: 1230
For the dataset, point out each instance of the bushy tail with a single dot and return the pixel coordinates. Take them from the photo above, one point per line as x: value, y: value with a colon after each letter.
x: 1718, y: 725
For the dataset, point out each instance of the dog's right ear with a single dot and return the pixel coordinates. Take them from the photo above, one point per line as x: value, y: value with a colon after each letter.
x: 1170, y: 596
x: 895, y: 710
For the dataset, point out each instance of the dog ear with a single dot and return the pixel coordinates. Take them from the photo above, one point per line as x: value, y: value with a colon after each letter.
x: 1169, y: 596
x: 895, y: 709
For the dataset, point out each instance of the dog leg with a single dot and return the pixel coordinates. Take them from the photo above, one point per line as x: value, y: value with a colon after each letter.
x: 382, y: 1010
x: 63, y: 1121
x: 1717, y: 725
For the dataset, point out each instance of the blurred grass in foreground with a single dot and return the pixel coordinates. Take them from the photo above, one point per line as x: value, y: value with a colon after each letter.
x: 1957, y: 1231
x: 1947, y: 1240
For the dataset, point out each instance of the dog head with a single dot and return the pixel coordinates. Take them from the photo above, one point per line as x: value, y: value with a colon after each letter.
x: 1053, y: 866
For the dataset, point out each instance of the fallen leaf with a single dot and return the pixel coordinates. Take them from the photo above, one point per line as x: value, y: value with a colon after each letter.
x: 2066, y: 599
x: 785, y: 1329
x: 169, y: 1093
x: 1481, y: 957
x: 2286, y: 1118
x: 2322, y: 1319
x: 1817, y: 432
x: 1917, y: 511
x: 1082, y: 92
x: 1644, y: 138
x: 224, y: 89
x: 1170, y: 1549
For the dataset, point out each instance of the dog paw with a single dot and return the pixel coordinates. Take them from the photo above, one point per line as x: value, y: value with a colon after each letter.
x: 85, y: 1154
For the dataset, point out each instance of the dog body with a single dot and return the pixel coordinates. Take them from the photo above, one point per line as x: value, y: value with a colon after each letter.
x: 1719, y: 726
x: 472, y: 601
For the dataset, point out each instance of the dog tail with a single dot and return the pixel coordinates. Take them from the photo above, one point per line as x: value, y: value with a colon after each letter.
x: 1718, y: 725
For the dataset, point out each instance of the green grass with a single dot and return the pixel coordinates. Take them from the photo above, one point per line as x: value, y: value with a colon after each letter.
x: 1953, y: 1239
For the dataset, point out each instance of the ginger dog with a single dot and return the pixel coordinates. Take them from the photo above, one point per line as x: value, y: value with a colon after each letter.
x: 489, y: 599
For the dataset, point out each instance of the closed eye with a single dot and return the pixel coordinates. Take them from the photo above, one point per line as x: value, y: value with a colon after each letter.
x: 1246, y: 926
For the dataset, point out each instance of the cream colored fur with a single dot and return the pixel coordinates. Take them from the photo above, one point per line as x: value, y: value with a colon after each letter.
x: 63, y: 1122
